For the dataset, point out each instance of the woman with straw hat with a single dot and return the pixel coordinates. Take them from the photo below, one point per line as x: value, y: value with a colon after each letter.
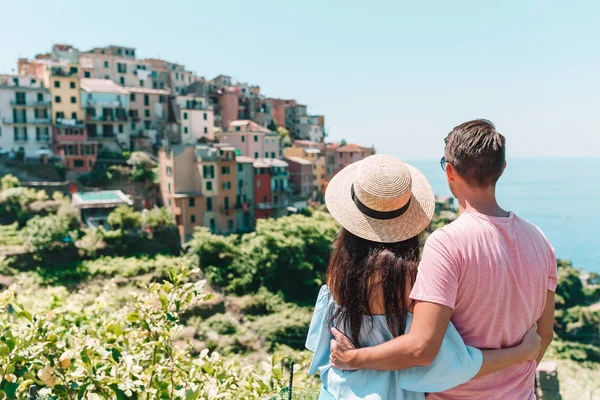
x: 383, y: 205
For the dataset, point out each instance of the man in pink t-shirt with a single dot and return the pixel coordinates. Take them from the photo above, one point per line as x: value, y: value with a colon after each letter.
x: 490, y: 272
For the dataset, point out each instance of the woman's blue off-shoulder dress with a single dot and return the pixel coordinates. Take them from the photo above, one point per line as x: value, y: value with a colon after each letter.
x: 455, y: 363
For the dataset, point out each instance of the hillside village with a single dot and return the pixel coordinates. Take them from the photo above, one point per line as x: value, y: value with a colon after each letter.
x: 227, y: 153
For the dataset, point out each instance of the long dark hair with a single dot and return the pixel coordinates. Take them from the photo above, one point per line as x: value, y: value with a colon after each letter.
x: 358, y: 267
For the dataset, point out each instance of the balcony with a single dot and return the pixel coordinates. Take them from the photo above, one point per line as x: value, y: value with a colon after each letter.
x: 23, y: 121
x: 20, y: 138
x: 109, y: 119
x: 69, y: 123
x: 18, y: 103
x: 42, y: 138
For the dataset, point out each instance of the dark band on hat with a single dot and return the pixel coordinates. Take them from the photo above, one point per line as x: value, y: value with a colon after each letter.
x: 382, y: 215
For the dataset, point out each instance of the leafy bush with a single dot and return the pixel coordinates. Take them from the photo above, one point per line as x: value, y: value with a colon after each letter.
x: 159, y: 219
x: 125, y: 219
x: 570, y: 289
x: 223, y: 324
x: 93, y: 348
x: 141, y: 167
x: 289, y: 326
x: 14, y: 204
x: 261, y: 303
x: 45, y: 234
x: 9, y: 181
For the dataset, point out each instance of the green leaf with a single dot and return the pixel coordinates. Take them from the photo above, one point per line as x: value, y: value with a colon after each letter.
x: 81, y: 391
x: 120, y: 394
x: 116, y: 354
x: 4, y: 350
x: 192, y: 394
x: 10, y: 388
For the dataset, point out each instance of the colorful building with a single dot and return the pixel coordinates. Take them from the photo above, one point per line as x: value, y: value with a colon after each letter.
x: 244, y: 199
x: 65, y: 92
x: 301, y: 176
x: 171, y: 76
x: 302, y: 125
x: 338, y: 157
x: 252, y: 140
x: 227, y: 181
x: 148, y: 116
x: 25, y: 116
x: 119, y: 64
x: 315, y: 156
x: 196, y: 118
x: 106, y: 107
x: 271, y: 190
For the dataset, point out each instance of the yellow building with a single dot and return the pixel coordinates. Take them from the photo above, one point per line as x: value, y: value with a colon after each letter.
x: 317, y: 159
x: 65, y: 93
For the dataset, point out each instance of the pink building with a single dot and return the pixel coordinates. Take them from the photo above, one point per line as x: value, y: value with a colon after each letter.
x: 252, y: 140
x: 338, y: 157
x: 301, y: 175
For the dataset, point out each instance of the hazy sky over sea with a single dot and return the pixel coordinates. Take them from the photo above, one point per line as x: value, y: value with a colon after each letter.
x: 397, y: 74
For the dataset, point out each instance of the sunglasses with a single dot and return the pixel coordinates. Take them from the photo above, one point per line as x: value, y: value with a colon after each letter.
x: 443, y: 163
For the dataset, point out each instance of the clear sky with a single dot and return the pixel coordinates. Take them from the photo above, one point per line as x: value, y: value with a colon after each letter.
x: 395, y: 74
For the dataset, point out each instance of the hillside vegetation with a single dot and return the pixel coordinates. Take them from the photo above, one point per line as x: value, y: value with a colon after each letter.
x: 125, y: 313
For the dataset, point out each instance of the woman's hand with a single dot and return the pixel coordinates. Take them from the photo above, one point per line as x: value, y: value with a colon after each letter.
x: 531, y: 344
x: 342, y: 351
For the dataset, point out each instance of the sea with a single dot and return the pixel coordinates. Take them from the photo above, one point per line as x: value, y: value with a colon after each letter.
x: 559, y: 195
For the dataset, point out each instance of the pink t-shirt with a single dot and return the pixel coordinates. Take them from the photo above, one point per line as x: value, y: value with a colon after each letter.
x: 494, y: 273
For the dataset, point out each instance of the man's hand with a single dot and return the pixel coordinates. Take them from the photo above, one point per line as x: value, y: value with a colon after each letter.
x: 343, y: 351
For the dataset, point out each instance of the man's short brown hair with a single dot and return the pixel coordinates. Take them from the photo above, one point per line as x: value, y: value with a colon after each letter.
x: 476, y: 150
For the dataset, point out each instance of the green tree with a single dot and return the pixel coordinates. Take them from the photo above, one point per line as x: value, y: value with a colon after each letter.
x: 284, y: 136
x: 272, y: 126
x: 125, y: 219
x: 569, y: 292
x: 49, y: 233
x: 343, y: 142
x: 142, y: 167
x: 159, y: 219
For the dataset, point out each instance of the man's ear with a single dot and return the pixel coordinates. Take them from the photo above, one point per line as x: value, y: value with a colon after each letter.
x: 450, y: 172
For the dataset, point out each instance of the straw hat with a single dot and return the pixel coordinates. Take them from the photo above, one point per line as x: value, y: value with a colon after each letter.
x: 381, y: 199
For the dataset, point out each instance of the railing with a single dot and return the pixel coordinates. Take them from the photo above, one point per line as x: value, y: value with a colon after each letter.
x: 30, y: 104
x: 24, y: 121
x: 106, y: 118
x: 42, y: 138
x: 21, y: 138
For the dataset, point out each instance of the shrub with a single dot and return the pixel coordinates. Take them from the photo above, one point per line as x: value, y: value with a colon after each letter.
x: 125, y: 219
x: 141, y: 167
x: 261, y: 303
x: 9, y: 181
x: 223, y: 324
x: 45, y: 234
x: 289, y: 326
x: 570, y: 288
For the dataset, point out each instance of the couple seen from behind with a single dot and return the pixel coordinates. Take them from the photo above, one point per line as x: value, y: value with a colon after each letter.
x: 467, y: 316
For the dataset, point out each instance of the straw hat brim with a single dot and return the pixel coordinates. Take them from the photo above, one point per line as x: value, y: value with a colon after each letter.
x: 417, y: 217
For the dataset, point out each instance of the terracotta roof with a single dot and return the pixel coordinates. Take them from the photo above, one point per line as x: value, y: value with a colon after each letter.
x: 298, y: 160
x: 269, y: 162
x: 102, y: 86
x: 244, y: 159
x: 351, y: 148
x: 251, y: 126
x: 147, y: 90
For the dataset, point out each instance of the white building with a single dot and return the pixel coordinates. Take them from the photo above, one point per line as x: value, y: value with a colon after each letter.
x: 196, y: 118
x: 24, y: 116
x: 302, y: 125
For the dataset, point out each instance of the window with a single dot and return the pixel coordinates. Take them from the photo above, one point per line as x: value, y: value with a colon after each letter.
x: 72, y: 85
x: 120, y: 128
x: 243, y: 139
x: 146, y: 100
x: 147, y: 113
x: 73, y: 99
x: 122, y: 81
x: 226, y: 203
x: 255, y: 155
x: 133, y: 126
x: 169, y: 187
x: 240, y: 168
x: 147, y: 124
x: 169, y: 171
x: 185, y: 129
x: 106, y: 77
x: 209, y: 204
x: 212, y: 225
x: 238, y: 128
x: 57, y: 99
x: 266, y: 154
x: 86, y: 74
x: 184, y: 115
x: 78, y: 164
x: 205, y: 130
x: 106, y: 64
x: 73, y: 115
x: 141, y: 83
x: 208, y: 171
x: 161, y: 99
x: 255, y: 138
x: 230, y: 225
x: 192, y: 218
x: 192, y: 202
x: 273, y: 154
x: 40, y: 97
x: 240, y: 183
x: 122, y: 68
x: 118, y: 52
x: 226, y: 185
x: 60, y: 115
x: 132, y: 97
x: 208, y: 186
x: 205, y: 116
x: 56, y: 84
x: 225, y: 170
